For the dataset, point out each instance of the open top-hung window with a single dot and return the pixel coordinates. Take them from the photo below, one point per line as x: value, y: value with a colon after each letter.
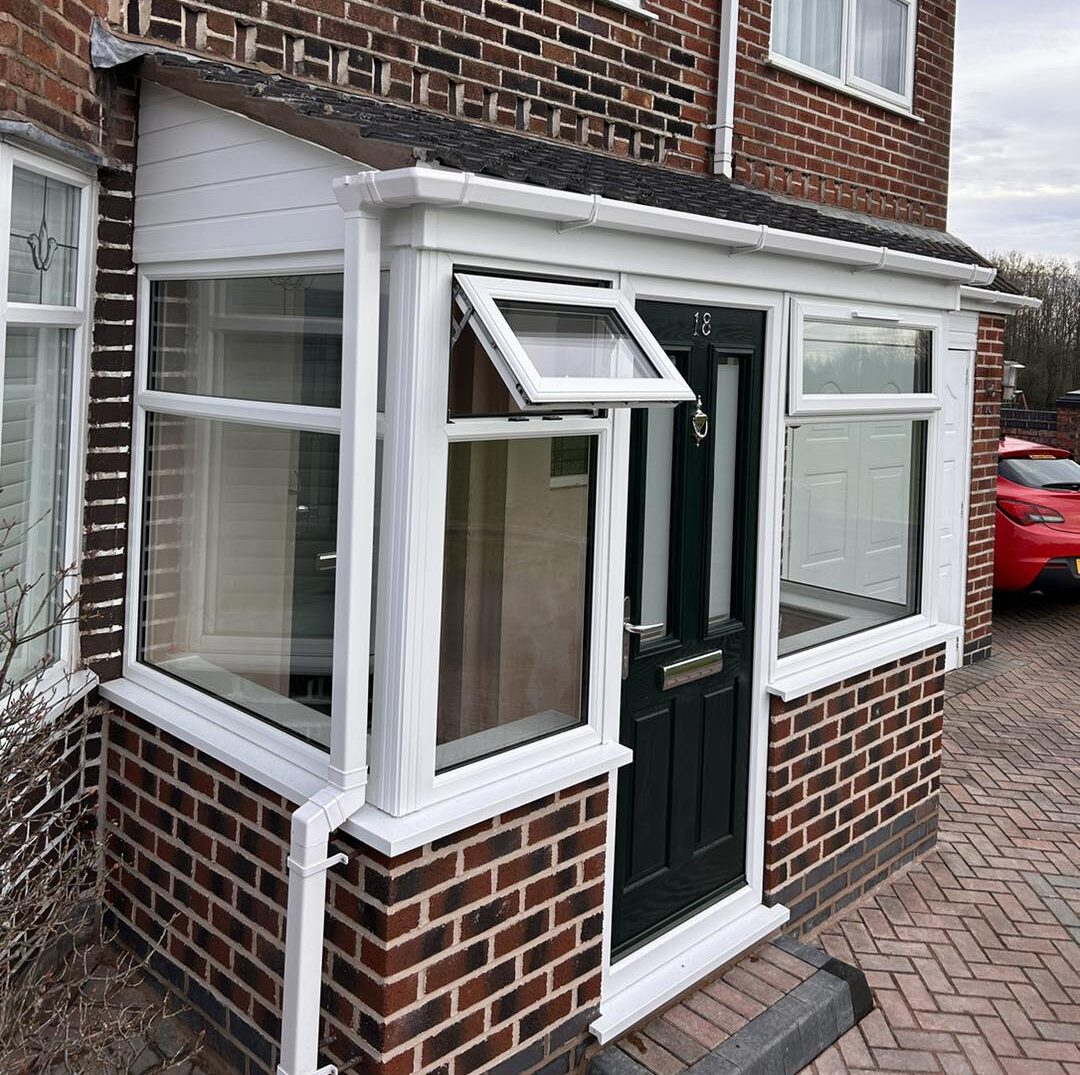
x: 864, y: 45
x: 856, y: 454
x: 558, y: 346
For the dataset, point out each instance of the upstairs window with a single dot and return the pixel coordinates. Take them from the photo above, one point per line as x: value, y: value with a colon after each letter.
x: 865, y: 46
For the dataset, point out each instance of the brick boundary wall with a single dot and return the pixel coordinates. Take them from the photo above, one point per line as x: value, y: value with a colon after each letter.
x: 799, y: 138
x: 986, y: 432
x: 852, y: 789
x: 478, y: 948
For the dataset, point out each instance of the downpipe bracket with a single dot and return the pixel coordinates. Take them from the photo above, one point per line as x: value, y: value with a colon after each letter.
x: 306, y: 871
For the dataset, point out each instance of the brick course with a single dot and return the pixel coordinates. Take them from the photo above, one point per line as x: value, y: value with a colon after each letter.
x: 852, y: 784
x: 476, y: 947
x: 990, y: 354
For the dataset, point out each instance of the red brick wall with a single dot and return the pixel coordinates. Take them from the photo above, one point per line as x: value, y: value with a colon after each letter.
x: 797, y: 137
x: 852, y: 784
x: 600, y: 76
x: 978, y: 622
x: 45, y: 74
x: 471, y: 949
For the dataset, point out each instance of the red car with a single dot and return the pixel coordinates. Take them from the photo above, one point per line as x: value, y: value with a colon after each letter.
x: 1037, y: 543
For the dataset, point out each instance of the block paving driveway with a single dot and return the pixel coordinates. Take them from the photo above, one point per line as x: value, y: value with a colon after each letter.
x: 973, y: 953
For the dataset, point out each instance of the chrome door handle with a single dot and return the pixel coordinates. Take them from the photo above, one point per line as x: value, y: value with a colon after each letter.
x: 640, y: 628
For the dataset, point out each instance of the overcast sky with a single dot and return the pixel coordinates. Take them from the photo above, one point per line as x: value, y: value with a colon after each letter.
x: 1016, y: 126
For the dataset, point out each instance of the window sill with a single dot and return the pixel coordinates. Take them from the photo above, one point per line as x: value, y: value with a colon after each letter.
x: 792, y: 683
x: 286, y: 773
x: 61, y: 689
x: 781, y: 63
x: 396, y: 835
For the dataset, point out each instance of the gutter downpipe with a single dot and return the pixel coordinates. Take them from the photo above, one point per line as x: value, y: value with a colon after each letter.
x: 315, y: 821
x: 723, y: 162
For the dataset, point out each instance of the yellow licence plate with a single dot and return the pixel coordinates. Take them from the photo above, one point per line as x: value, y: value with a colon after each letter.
x: 1078, y: 565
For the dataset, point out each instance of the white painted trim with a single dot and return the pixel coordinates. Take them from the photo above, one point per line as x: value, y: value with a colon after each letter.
x: 877, y: 647
x: 398, y: 188
x: 980, y: 300
x: 532, y: 388
x: 242, y: 411
x: 642, y: 984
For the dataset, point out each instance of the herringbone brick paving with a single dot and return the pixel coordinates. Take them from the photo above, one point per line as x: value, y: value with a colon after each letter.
x: 973, y: 953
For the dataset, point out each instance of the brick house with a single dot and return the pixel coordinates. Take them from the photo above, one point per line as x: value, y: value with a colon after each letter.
x: 339, y: 301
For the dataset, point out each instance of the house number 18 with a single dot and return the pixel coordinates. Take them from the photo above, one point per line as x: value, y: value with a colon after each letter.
x: 702, y: 323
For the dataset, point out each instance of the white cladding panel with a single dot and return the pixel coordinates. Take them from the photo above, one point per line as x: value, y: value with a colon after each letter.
x: 211, y: 184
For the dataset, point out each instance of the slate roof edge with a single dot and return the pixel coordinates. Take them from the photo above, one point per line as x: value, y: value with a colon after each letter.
x: 344, y: 122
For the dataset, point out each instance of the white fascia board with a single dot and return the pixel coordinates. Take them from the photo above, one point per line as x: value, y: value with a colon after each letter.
x: 979, y: 300
x: 403, y: 187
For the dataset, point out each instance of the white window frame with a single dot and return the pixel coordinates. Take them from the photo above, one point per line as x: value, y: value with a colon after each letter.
x: 63, y: 680
x: 524, y: 380
x: 802, y: 404
x: 848, y: 82
x: 187, y: 707
x: 403, y: 777
x: 796, y: 674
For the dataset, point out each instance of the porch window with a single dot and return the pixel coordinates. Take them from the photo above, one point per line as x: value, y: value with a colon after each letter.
x: 242, y: 424
x: 855, y: 472
x: 43, y: 314
x: 867, y: 46
x: 558, y: 345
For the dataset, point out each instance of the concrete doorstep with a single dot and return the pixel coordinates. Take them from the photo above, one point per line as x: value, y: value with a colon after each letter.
x: 772, y: 1013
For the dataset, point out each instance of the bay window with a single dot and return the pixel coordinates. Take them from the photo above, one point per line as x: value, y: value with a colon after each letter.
x: 858, y: 443
x: 866, y: 46
x: 45, y: 210
x: 242, y: 419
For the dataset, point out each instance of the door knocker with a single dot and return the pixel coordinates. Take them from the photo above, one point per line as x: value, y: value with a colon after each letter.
x: 699, y: 424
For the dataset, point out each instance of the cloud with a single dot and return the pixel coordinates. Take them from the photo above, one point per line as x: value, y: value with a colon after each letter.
x: 1016, y: 127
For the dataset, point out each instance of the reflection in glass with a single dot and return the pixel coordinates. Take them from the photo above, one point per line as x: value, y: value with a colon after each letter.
x: 516, y: 570
x: 847, y: 359
x: 853, y: 530
x: 725, y: 423
x: 33, y: 493
x: 43, y: 247
x: 575, y: 341
x: 238, y: 575
x: 656, y: 531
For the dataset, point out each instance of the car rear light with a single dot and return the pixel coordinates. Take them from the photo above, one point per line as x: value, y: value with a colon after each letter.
x: 1020, y: 511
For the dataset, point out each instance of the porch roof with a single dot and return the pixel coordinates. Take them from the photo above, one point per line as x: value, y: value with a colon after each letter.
x: 385, y: 135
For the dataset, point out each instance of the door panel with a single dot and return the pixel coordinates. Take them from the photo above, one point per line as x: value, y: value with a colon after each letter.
x: 691, y: 539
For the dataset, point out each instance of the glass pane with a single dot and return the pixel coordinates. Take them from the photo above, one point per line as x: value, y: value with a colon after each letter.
x: 44, y: 240
x: 575, y: 341
x: 881, y: 29
x: 1038, y: 473
x: 475, y: 387
x: 656, y: 531
x: 847, y: 359
x: 274, y: 339
x: 852, y: 541
x: 810, y: 32
x: 238, y: 586
x: 725, y: 423
x: 516, y: 572
x: 33, y: 493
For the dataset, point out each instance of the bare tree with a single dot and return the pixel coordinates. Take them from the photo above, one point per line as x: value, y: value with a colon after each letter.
x: 1045, y: 341
x: 71, y: 1001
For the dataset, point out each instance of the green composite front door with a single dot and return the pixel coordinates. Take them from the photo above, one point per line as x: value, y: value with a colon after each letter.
x: 691, y: 540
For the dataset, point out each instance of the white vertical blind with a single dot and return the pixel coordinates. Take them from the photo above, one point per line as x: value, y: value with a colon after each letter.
x: 881, y: 43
